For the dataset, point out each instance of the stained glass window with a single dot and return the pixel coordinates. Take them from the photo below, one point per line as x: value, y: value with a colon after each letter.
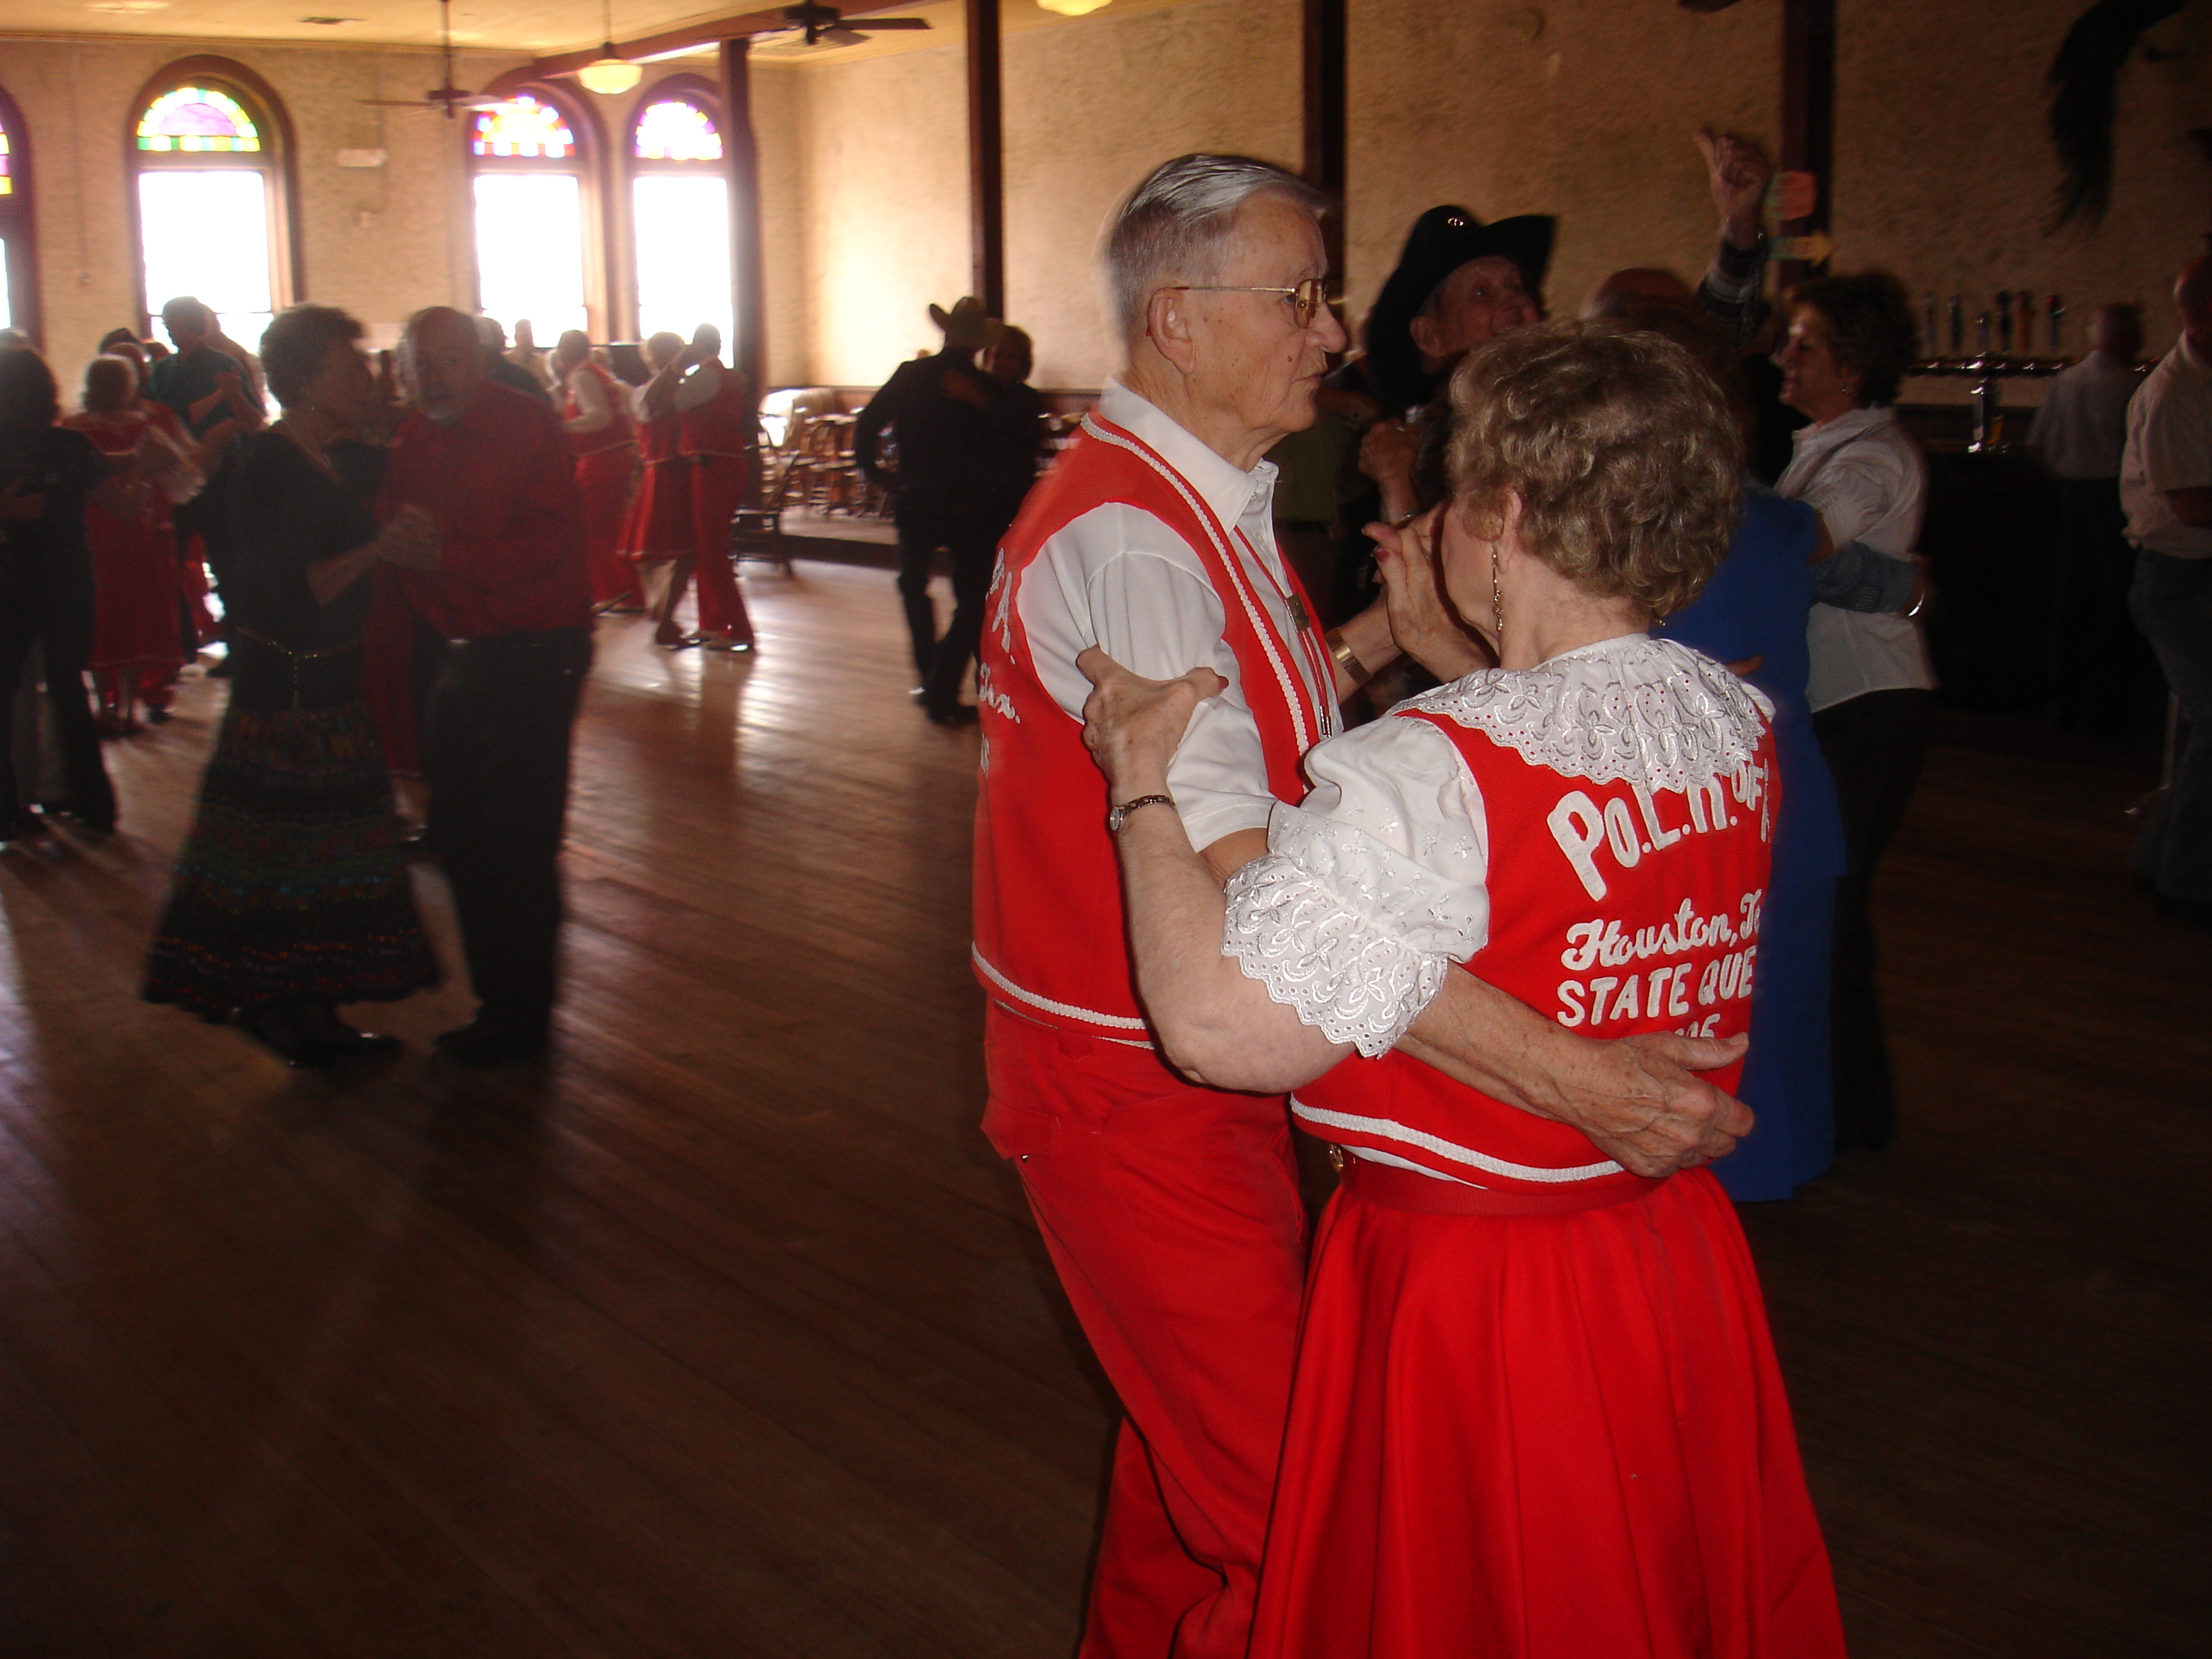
x: 672, y: 131
x: 197, y: 120
x: 521, y: 127
x: 7, y: 170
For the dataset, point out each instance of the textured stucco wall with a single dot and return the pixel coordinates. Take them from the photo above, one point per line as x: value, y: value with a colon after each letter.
x: 1944, y: 174
x: 884, y: 166
x: 776, y: 128
x: 1580, y: 108
x: 1095, y: 105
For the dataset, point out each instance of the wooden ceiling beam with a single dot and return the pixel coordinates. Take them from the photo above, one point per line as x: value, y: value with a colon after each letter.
x: 709, y: 32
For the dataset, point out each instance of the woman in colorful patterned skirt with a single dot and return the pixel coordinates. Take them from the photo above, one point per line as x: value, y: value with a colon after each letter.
x: 290, y: 896
x: 1536, y: 1414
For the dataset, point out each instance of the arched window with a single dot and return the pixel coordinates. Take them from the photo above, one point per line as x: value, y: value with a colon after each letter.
x: 532, y: 212
x: 19, y: 271
x: 208, y: 149
x: 680, y: 215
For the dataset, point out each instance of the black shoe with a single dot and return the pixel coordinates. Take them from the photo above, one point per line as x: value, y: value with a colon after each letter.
x: 482, y: 1046
x: 323, y: 1025
x: 275, y: 1028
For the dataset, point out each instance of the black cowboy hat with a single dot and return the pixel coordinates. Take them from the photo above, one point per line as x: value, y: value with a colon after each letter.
x: 1441, y: 240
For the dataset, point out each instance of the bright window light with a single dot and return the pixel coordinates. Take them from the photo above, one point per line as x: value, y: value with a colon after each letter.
x: 530, y: 250
x: 684, y: 255
x: 7, y: 317
x: 206, y: 234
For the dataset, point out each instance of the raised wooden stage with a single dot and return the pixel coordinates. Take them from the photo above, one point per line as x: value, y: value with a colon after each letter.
x: 723, y: 1333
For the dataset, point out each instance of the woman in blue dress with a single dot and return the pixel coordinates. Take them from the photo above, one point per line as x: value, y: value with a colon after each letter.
x: 1753, y: 614
x: 1751, y: 617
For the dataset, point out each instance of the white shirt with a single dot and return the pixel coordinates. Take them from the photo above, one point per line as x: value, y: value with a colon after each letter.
x: 2169, y: 448
x: 696, y: 388
x: 1118, y: 577
x: 593, y: 412
x: 699, y: 387
x: 1867, y: 480
x: 2083, y: 423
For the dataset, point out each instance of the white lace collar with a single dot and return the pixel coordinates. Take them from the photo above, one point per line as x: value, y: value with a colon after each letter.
x: 1634, y: 709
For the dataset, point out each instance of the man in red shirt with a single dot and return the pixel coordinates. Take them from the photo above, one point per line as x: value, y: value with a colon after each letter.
x: 512, y: 601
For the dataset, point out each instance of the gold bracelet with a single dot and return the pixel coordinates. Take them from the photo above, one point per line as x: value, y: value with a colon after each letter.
x: 1346, y: 658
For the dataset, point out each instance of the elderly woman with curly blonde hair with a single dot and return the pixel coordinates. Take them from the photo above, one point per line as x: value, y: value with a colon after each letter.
x: 1537, y: 1411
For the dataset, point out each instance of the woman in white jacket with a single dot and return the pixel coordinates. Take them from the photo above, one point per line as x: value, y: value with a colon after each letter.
x: 1851, y: 340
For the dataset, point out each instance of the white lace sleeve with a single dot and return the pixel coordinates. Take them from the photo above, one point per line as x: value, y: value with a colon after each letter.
x: 1371, y: 891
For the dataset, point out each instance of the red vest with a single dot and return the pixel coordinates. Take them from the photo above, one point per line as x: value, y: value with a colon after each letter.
x: 723, y: 425
x: 1613, y: 909
x: 617, y: 434
x: 1050, y: 942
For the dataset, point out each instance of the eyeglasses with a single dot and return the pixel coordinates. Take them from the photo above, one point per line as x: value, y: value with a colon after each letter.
x: 1306, y: 299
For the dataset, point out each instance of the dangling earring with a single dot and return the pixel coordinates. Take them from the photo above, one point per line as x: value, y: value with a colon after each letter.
x: 1497, y: 601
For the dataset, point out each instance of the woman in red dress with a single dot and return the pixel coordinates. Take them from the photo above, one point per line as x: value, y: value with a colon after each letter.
x: 1537, y: 1412
x: 658, y: 536
x: 596, y: 416
x: 135, y: 637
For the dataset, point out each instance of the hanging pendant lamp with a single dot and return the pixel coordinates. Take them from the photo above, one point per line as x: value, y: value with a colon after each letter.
x: 608, y: 75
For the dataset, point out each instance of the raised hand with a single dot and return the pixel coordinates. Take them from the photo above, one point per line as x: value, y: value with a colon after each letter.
x: 1421, y: 619
x: 1739, y: 172
x: 1388, y: 454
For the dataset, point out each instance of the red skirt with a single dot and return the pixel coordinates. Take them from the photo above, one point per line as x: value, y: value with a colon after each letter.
x: 660, y: 522
x: 603, y: 489
x: 1551, y: 1436
x: 136, y: 620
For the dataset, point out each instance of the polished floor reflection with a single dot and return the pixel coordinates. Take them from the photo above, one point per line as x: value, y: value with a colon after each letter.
x: 722, y: 1334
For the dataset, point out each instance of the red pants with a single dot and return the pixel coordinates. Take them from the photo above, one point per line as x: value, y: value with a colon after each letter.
x: 1172, y: 1215
x: 718, y: 490
x: 603, y: 487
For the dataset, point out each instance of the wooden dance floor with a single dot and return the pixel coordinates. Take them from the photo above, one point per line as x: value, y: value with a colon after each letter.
x: 724, y: 1334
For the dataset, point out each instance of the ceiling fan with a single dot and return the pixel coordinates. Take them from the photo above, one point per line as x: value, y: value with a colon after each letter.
x: 444, y: 95
x: 826, y: 26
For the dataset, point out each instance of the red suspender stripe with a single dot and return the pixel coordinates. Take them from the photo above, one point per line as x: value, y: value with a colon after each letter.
x: 1050, y: 934
x: 1308, y: 722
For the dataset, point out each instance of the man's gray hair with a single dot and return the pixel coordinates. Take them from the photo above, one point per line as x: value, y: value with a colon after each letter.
x: 1177, y: 224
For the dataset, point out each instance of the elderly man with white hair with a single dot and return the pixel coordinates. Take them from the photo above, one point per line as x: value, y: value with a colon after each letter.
x: 1170, y: 1209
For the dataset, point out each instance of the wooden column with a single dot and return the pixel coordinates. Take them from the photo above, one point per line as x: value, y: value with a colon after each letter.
x: 1808, y: 113
x: 986, y: 195
x: 741, y: 154
x: 1322, y: 165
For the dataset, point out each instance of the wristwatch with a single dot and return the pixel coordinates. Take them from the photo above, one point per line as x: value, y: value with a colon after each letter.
x: 1118, y: 816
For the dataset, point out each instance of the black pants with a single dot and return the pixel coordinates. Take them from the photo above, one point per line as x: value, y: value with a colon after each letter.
x: 2095, y: 657
x: 970, y: 536
x: 502, y: 711
x: 61, y: 627
x: 1873, y: 744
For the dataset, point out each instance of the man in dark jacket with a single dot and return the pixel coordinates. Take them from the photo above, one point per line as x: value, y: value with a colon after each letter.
x: 948, y: 418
